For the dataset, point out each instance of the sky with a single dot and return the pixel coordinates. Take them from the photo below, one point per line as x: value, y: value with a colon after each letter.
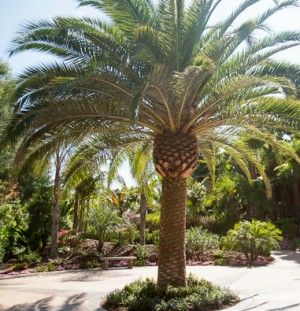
x: 14, y: 13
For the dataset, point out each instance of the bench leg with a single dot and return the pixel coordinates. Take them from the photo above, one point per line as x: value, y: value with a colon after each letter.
x: 105, y: 265
x: 130, y: 264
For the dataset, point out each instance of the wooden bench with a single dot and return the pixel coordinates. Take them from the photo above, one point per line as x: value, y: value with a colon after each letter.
x: 106, y: 261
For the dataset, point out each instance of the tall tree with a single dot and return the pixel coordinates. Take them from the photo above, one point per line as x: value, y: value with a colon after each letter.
x: 50, y: 154
x: 143, y: 172
x: 165, y: 73
x: 6, y: 109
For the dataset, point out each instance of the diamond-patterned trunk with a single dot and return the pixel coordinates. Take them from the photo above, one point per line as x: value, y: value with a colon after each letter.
x: 175, y: 154
x: 175, y: 157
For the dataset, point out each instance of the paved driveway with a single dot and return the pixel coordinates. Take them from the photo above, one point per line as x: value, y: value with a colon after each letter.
x: 275, y: 287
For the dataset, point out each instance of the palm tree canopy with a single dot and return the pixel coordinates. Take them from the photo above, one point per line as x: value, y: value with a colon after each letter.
x: 158, y: 67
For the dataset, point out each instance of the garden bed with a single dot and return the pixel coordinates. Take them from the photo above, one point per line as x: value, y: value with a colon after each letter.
x: 146, y: 296
x: 92, y: 260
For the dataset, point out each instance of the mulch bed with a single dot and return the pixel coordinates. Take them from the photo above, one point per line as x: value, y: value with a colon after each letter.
x: 82, y: 251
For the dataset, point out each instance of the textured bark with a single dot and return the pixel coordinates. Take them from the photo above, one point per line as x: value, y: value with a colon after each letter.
x: 175, y: 154
x: 175, y: 158
x: 56, y: 210
x: 296, y: 191
x: 172, y: 260
x: 81, y: 218
x: 76, y: 210
x: 143, y: 213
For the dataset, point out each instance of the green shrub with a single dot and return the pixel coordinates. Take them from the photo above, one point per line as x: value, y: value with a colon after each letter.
x: 290, y: 227
x: 145, y: 295
x: 31, y: 258
x: 51, y: 266
x: 141, y: 254
x: 89, y: 264
x: 19, y: 266
x: 125, y: 236
x: 152, y: 237
x: 41, y: 268
x: 199, y: 240
x: 13, y: 223
x: 47, y: 267
x: 64, y: 249
x: 153, y: 220
x: 102, y: 222
x: 253, y: 238
x: 221, y: 258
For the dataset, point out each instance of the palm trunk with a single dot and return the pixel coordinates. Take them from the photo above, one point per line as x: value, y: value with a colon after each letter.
x: 56, y: 210
x: 81, y: 218
x: 296, y: 190
x: 76, y: 210
x: 172, y: 258
x: 143, y: 213
x: 87, y: 209
x: 175, y: 158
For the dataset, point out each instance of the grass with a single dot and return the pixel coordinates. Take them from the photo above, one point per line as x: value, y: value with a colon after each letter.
x: 199, y: 295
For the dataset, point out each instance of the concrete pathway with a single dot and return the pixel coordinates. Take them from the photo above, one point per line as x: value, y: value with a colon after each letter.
x: 275, y: 287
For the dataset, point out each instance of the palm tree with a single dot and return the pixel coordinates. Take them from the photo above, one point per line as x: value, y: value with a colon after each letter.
x: 143, y: 172
x: 82, y: 180
x: 161, y: 72
x: 91, y: 154
x: 55, y: 152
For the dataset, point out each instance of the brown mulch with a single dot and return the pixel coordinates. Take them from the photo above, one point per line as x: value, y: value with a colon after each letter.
x: 82, y: 251
x: 233, y: 259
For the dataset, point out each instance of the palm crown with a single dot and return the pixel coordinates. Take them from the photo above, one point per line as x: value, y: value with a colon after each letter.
x: 161, y: 72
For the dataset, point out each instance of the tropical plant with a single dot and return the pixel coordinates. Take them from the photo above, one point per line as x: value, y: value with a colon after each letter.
x: 163, y: 73
x: 6, y: 108
x: 91, y: 154
x: 141, y: 254
x: 12, y: 226
x: 81, y: 186
x: 143, y: 172
x: 147, y: 296
x: 39, y: 208
x: 253, y: 238
x: 102, y: 222
x: 199, y: 240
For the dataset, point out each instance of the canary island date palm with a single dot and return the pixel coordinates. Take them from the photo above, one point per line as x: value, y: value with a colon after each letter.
x: 162, y: 72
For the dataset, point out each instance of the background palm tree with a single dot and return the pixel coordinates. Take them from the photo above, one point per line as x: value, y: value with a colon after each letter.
x: 163, y: 73
x: 52, y: 152
x: 143, y: 172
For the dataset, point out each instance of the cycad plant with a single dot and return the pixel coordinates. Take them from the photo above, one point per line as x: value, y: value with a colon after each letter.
x: 166, y: 73
x: 253, y: 238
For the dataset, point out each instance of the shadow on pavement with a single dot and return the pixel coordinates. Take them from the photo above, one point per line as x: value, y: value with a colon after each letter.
x: 82, y: 276
x: 90, y: 275
x: 286, y: 307
x: 249, y: 297
x: 290, y: 256
x: 71, y: 304
x: 40, y: 305
x: 255, y: 307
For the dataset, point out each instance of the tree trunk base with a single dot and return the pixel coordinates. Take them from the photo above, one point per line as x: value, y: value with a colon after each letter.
x: 172, y: 258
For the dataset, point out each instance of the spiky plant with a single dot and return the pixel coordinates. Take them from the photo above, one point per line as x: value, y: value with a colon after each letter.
x: 163, y: 72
